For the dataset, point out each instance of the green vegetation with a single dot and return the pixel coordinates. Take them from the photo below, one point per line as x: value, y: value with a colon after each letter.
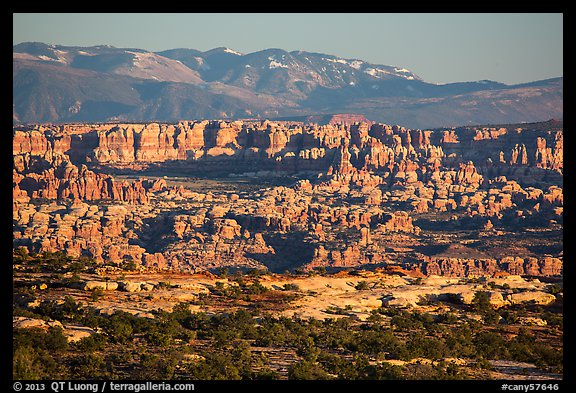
x: 182, y: 344
x: 291, y: 287
x: 362, y: 286
x: 555, y: 289
x: 51, y: 262
x: 36, y: 352
x: 245, y: 340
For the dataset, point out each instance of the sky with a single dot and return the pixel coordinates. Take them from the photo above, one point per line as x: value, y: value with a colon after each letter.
x: 440, y: 48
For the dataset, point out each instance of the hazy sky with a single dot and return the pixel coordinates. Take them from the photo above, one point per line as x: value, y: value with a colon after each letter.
x: 440, y: 48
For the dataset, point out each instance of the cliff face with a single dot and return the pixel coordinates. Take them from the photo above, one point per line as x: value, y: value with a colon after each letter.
x: 408, y: 154
x: 469, y: 267
x: 42, y: 169
x: 69, y: 182
x: 368, y: 194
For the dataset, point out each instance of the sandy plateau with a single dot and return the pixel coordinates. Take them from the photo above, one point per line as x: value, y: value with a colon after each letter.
x: 356, y: 295
x: 318, y: 297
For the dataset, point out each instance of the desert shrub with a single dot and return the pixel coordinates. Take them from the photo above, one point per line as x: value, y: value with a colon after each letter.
x: 490, y: 345
x: 256, y: 288
x: 419, y: 345
x: 169, y: 324
x: 554, y: 320
x: 373, y: 342
x: 96, y: 294
x: 481, y: 301
x: 291, y: 287
x: 440, y: 371
x: 358, y: 368
x: 215, y: 366
x: 29, y: 363
x: 307, y: 370
x: 272, y: 332
x: 119, y: 328
x: 223, y: 272
x: 453, y: 298
x: 158, y: 338
x: 320, y: 270
x: 231, y: 291
x: 95, y: 342
x: 405, y: 324
x: 52, y: 340
x: 255, y: 272
x: 25, y: 364
x: 509, y: 316
x: 449, y: 371
x: 90, y: 366
x: 448, y: 318
x: 200, y: 323
x: 459, y: 343
x: 224, y: 337
x: 427, y: 300
x: 362, y: 286
x: 241, y: 323
x: 554, y: 289
x: 549, y: 358
x: 129, y: 266
x: 483, y: 364
x: 82, y: 264
x: 245, y: 361
x: 382, y: 371
x: 70, y: 310
x: 21, y: 312
x: 117, y: 361
x: 156, y: 367
x: 266, y: 373
x: 406, y: 321
x: 491, y: 317
x: 92, y: 318
x: 20, y: 255
x: 164, y: 285
x: 337, y: 365
x: 233, y: 365
x: 336, y: 334
x: 525, y: 348
x: 180, y: 312
x: 307, y: 349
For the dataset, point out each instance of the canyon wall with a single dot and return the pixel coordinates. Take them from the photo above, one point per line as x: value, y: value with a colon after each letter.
x: 369, y: 194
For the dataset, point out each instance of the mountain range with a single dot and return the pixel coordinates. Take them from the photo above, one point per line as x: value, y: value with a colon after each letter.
x: 55, y: 83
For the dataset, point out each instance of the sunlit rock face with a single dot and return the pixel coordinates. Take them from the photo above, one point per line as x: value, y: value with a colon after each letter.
x: 360, y: 194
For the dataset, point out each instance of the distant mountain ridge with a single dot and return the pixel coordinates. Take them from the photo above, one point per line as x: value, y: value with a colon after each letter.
x: 55, y: 83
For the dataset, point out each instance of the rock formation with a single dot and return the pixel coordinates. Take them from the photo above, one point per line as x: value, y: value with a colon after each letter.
x: 359, y: 195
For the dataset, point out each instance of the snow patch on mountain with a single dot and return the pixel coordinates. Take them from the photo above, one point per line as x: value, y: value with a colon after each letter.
x: 375, y: 72
x: 341, y: 61
x: 59, y: 59
x: 203, y: 64
x: 228, y: 50
x: 378, y: 72
x: 275, y: 64
x: 356, y: 64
